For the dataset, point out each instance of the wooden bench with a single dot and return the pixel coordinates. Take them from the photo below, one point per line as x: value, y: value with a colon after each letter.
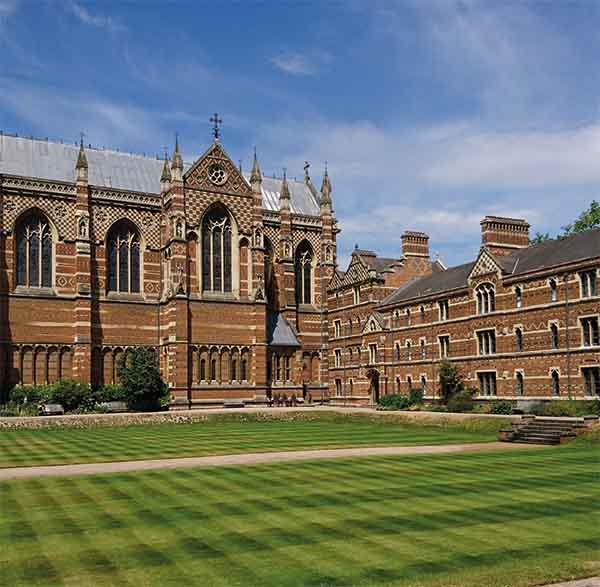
x: 51, y: 410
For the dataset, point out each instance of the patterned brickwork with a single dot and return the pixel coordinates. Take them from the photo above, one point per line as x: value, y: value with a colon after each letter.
x: 197, y: 202
x: 147, y: 222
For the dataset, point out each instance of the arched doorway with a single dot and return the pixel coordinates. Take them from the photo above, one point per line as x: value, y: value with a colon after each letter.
x: 373, y: 377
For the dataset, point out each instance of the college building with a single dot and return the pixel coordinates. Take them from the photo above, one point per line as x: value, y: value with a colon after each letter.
x: 232, y: 279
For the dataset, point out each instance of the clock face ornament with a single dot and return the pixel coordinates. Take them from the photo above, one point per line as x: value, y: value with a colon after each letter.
x: 217, y: 174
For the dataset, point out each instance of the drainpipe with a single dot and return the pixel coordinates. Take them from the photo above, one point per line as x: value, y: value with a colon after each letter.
x: 568, y: 327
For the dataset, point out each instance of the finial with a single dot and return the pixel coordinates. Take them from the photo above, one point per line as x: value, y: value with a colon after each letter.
x: 326, y: 187
x: 81, y: 158
x: 166, y: 172
x: 285, y: 191
x: 216, y: 121
x: 255, y: 175
x: 177, y: 162
x: 306, y: 174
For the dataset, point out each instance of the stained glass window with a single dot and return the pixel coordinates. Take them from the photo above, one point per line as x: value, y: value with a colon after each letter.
x: 123, y: 259
x: 216, y: 252
x: 303, y: 270
x: 34, y: 252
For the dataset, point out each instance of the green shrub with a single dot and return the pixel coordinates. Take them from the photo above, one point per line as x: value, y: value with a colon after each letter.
x: 462, y: 401
x: 501, y: 407
x: 415, y: 396
x: 394, y: 401
x: 109, y: 393
x: 571, y: 408
x: 13, y: 409
x: 141, y: 381
x: 71, y: 395
x: 30, y: 394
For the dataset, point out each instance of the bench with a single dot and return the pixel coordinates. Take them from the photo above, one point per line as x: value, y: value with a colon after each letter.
x: 51, y: 410
x: 234, y: 403
x: 113, y: 407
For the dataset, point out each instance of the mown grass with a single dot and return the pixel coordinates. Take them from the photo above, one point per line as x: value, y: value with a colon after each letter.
x: 229, y: 434
x: 502, y: 519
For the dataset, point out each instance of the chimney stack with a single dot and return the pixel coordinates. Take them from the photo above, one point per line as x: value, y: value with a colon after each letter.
x: 415, y: 244
x: 502, y: 236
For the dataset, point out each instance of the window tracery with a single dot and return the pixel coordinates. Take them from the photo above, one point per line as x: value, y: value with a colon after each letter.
x: 123, y: 259
x: 34, y: 252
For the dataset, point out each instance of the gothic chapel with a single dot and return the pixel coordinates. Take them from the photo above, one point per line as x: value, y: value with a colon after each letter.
x: 223, y: 275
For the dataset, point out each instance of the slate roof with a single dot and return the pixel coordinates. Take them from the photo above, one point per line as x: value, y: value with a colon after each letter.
x: 378, y: 264
x: 452, y: 278
x: 574, y: 248
x: 54, y: 161
x: 279, y: 331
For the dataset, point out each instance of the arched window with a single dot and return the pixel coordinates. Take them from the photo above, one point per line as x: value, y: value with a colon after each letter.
x: 520, y: 383
x: 555, y: 383
x: 408, y: 351
x: 486, y: 298
x: 303, y: 270
x: 123, y: 258
x: 519, y: 339
x: 408, y: 382
x: 269, y: 273
x: 34, y: 252
x: 518, y: 297
x: 216, y: 251
x: 554, y: 340
x: 553, y: 290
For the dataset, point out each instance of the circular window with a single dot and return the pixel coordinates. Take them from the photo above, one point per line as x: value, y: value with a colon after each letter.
x: 217, y: 174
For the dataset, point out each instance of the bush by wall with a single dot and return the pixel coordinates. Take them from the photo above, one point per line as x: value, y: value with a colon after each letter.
x: 141, y: 380
x: 462, y: 401
x: 501, y: 407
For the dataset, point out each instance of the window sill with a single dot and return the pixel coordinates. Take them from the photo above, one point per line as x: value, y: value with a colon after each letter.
x: 216, y: 295
x: 35, y: 291
x: 131, y: 297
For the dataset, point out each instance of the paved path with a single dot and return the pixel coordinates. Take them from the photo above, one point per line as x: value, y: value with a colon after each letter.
x: 248, y: 459
x: 590, y: 582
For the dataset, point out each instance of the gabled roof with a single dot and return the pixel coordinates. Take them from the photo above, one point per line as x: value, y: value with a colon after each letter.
x: 377, y: 320
x: 540, y: 257
x: 53, y: 161
x: 453, y: 278
x: 280, y: 331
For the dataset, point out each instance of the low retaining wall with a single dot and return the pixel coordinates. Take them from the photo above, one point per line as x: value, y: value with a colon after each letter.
x: 190, y: 416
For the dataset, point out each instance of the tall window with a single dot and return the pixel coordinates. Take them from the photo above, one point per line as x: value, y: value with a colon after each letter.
x: 444, y: 309
x: 408, y: 351
x: 588, y: 283
x: 520, y: 383
x: 554, y: 341
x: 216, y: 251
x: 553, y: 290
x: 34, y: 252
x: 372, y: 354
x: 518, y: 297
x: 423, y: 349
x: 337, y: 328
x: 444, y: 346
x: 519, y: 340
x: 487, y: 342
x: 486, y: 300
x: 303, y: 271
x: 487, y: 383
x: 123, y: 259
x: 422, y: 314
x: 590, y: 331
x: 591, y: 376
x: 356, y: 294
x: 269, y: 272
x: 338, y: 357
x: 555, y: 383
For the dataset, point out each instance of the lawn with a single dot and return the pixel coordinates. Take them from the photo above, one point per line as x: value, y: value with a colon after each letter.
x: 502, y: 519
x: 228, y: 434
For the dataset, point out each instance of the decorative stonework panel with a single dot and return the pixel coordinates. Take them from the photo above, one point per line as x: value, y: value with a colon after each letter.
x: 314, y: 238
x: 197, y: 203
x: 484, y: 265
x: 61, y: 212
x: 216, y: 172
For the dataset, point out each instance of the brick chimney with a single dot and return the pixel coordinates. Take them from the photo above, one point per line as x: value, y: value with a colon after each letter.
x: 415, y: 244
x: 502, y: 236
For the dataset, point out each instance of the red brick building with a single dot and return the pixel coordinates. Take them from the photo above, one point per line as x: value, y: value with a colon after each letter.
x: 232, y: 279
x: 223, y: 275
x: 519, y: 322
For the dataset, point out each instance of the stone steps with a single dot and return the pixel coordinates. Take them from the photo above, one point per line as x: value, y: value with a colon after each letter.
x: 531, y: 430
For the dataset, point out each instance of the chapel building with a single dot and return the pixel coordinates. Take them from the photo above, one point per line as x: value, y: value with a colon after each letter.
x: 224, y: 275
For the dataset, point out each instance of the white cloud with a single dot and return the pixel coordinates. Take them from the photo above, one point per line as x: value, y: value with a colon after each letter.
x: 97, y: 20
x: 7, y: 8
x: 300, y: 64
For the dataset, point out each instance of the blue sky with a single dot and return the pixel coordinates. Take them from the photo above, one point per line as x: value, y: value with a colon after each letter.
x: 431, y: 114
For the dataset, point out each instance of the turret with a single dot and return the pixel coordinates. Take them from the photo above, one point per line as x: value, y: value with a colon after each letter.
x: 177, y: 163
x: 255, y: 176
x: 326, y: 203
x: 284, y: 195
x: 81, y: 167
x: 165, y: 178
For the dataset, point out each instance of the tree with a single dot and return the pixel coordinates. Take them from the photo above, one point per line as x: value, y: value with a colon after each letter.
x: 539, y: 237
x: 589, y: 218
x: 451, y: 381
x: 141, y: 380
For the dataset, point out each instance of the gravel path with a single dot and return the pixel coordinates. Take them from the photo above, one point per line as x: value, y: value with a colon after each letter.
x: 590, y: 582
x: 248, y: 459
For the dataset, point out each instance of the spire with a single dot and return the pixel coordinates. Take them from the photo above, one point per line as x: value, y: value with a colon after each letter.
x: 255, y: 175
x: 284, y: 195
x: 81, y: 167
x: 165, y: 178
x: 326, y: 188
x: 81, y: 158
x: 177, y: 162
